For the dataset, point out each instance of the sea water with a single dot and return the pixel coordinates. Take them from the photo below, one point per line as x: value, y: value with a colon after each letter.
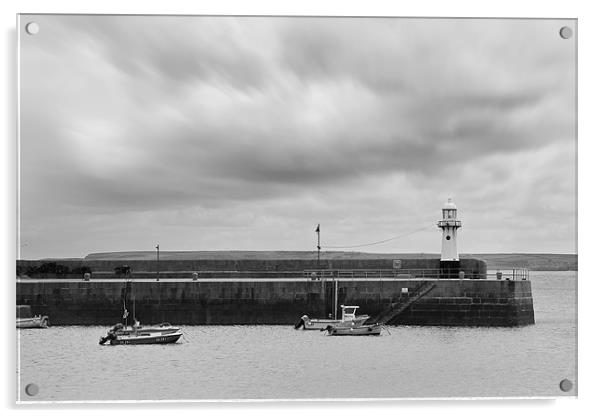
x: 278, y: 362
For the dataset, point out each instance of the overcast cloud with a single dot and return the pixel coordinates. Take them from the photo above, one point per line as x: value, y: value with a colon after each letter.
x: 214, y: 133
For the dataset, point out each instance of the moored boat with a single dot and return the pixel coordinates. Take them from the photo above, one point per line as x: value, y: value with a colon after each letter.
x: 164, y: 327
x: 119, y: 335
x: 336, y: 330
x: 347, y: 317
x: 147, y: 338
x: 26, y: 320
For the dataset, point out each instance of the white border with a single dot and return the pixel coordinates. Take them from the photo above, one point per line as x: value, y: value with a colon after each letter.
x: 589, y: 200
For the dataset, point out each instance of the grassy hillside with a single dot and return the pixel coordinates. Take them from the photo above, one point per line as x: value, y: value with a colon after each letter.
x: 494, y: 261
x: 540, y: 262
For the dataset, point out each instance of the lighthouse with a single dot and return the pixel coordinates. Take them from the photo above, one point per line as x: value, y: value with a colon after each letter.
x: 450, y: 262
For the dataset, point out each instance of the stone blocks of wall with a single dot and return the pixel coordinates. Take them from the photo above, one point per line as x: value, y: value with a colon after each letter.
x: 255, y: 268
x: 451, y: 302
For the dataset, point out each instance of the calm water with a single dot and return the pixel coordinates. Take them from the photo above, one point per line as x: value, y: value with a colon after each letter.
x: 257, y: 362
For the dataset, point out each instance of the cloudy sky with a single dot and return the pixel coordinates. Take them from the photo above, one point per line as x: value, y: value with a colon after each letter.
x: 214, y: 133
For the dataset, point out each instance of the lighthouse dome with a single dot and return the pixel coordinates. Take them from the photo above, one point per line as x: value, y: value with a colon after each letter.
x: 450, y: 204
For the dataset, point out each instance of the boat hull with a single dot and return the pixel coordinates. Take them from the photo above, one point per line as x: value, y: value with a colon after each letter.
x: 146, y: 339
x: 361, y: 330
x: 321, y: 324
x: 37, y: 322
x: 147, y: 330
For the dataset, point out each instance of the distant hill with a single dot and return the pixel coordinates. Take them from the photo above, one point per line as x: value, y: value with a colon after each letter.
x: 247, y: 255
x: 541, y: 262
x: 494, y: 261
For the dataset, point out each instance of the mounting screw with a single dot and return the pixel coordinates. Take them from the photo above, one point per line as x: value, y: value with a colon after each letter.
x: 566, y: 385
x: 32, y: 389
x: 566, y: 32
x: 32, y: 28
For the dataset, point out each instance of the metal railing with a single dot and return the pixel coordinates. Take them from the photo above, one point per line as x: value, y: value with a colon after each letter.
x: 509, y: 274
x: 330, y: 274
x: 352, y: 274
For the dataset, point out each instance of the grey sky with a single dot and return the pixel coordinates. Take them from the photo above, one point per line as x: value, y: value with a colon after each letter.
x: 214, y: 133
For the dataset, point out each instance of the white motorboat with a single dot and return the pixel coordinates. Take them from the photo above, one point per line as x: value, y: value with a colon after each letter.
x: 26, y: 320
x: 347, y: 317
x: 37, y: 321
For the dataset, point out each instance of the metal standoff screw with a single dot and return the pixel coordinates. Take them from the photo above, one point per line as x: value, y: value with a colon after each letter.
x: 566, y: 385
x: 566, y: 32
x: 32, y: 389
x: 32, y: 28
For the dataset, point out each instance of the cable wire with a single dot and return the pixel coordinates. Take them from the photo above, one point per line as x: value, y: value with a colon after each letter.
x: 378, y: 242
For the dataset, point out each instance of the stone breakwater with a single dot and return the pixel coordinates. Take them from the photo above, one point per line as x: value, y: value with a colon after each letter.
x: 275, y: 268
x: 274, y: 292
x: 276, y: 302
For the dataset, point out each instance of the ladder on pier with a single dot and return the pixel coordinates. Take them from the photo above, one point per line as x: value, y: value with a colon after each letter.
x: 397, y: 308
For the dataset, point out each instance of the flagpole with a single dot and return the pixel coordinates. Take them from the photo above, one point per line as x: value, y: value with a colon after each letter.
x: 319, y: 248
x: 157, y: 247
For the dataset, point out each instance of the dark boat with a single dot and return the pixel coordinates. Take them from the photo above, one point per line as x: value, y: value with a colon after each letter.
x: 160, y: 334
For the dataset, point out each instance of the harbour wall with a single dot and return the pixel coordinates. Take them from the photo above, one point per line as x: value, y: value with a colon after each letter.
x: 213, y: 268
x: 452, y: 302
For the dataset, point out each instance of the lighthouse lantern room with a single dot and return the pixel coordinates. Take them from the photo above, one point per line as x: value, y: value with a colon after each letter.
x: 449, y: 227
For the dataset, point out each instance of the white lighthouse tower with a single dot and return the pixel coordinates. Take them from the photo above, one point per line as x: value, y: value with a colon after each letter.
x: 449, y: 227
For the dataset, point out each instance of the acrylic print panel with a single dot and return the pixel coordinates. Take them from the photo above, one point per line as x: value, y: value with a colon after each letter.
x: 198, y: 196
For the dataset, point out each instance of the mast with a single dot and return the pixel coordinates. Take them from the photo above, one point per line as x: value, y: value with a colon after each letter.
x: 125, y: 296
x: 335, y: 289
x: 157, y: 247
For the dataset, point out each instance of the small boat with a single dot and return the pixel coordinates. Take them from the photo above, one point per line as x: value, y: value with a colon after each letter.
x: 119, y: 334
x: 336, y: 330
x: 157, y: 334
x: 347, y: 317
x: 26, y: 320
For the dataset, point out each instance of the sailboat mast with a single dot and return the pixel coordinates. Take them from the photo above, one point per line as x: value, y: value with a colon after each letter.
x: 335, y: 286
x: 125, y: 309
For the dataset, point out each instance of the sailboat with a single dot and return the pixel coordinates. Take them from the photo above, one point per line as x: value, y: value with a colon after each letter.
x: 121, y: 334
